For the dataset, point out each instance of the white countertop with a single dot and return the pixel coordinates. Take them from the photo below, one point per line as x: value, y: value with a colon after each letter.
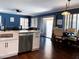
x: 21, y: 31
x: 4, y: 32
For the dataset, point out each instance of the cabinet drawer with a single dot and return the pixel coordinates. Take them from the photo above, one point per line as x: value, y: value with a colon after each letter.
x: 4, y: 37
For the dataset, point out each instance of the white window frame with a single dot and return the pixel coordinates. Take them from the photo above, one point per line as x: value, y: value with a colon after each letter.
x: 0, y: 20
x: 24, y: 23
x: 34, y: 22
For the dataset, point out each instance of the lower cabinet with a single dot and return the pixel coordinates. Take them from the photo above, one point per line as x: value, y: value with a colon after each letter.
x: 36, y: 41
x: 8, y: 48
x: 25, y: 42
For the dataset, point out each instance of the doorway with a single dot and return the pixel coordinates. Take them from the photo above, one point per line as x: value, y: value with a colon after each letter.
x: 46, y: 29
x: 48, y: 26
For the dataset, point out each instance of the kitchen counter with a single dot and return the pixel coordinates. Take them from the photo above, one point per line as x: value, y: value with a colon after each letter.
x: 21, y: 31
x: 13, y: 42
x: 8, y: 43
x: 7, y: 31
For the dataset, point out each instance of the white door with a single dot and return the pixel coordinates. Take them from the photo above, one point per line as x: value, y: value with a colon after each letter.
x: 49, y: 26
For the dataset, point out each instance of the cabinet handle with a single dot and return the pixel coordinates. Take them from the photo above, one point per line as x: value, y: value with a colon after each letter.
x: 6, y: 45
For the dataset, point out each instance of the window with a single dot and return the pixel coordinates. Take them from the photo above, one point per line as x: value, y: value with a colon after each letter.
x: 24, y: 23
x: 68, y: 21
x: 72, y: 21
x: 78, y: 23
x: 34, y: 22
x: 0, y: 21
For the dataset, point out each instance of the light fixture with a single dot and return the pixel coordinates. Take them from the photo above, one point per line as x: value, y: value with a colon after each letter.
x: 66, y: 12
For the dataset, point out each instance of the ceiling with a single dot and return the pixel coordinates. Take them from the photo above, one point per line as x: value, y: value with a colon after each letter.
x: 30, y: 7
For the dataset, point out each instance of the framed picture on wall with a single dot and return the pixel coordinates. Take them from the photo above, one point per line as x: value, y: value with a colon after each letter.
x: 59, y: 22
x: 11, y: 19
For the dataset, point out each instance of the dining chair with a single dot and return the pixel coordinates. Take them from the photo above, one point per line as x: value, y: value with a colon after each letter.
x: 71, y: 30
x: 57, y: 36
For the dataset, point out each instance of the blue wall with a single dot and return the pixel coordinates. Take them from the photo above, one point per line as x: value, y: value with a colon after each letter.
x: 59, y: 16
x: 6, y: 20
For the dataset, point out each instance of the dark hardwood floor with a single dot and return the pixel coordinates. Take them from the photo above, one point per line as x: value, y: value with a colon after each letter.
x: 47, y: 51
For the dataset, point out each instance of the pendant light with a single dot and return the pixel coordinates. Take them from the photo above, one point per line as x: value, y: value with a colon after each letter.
x: 66, y: 12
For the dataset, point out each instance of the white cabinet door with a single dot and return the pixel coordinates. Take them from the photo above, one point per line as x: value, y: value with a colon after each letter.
x: 8, y: 48
x: 2, y: 49
x: 36, y: 41
x: 12, y: 48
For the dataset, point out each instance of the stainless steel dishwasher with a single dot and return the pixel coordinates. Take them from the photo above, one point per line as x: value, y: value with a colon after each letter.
x: 25, y: 42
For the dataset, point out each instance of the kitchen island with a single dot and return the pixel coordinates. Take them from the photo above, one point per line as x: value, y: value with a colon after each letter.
x: 9, y: 41
x: 14, y: 42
